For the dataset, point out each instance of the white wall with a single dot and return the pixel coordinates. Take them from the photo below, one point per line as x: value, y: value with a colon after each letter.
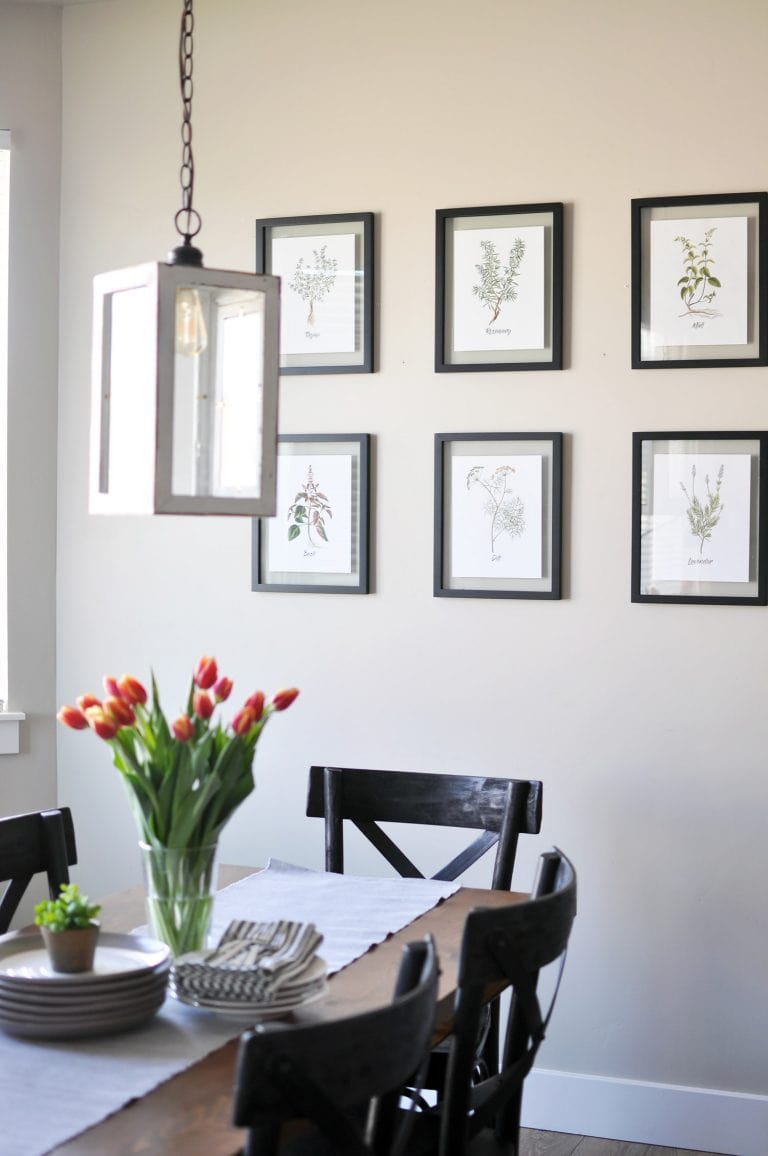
x: 646, y: 723
x: 30, y: 106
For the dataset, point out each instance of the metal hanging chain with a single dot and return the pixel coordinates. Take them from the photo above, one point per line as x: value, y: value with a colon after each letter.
x: 191, y: 218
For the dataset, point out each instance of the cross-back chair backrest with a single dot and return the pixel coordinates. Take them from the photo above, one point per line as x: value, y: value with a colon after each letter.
x: 509, y: 945
x: 322, y: 1072
x: 500, y: 809
x: 30, y: 844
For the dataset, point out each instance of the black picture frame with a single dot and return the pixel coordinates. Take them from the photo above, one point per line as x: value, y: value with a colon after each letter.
x: 463, y: 341
x: 677, y: 299
x: 283, y: 242
x: 267, y: 552
x: 683, y: 487
x: 535, y: 509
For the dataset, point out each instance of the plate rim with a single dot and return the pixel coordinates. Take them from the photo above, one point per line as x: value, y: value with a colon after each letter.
x: 246, y: 1007
x: 16, y: 943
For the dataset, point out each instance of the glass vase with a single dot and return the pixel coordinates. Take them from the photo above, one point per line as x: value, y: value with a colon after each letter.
x: 180, y: 883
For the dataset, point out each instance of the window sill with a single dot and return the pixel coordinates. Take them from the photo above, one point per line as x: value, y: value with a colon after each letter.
x: 9, y: 731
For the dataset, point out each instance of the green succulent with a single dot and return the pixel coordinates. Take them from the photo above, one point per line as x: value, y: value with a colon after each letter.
x: 71, y: 910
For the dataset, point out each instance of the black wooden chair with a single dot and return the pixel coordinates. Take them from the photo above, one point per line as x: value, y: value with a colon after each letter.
x: 500, y: 809
x: 511, y: 944
x: 338, y: 1081
x: 30, y: 844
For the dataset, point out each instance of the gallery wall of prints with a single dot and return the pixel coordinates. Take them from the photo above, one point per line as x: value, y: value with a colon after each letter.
x: 699, y: 298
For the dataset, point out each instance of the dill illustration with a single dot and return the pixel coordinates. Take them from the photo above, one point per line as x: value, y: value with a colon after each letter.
x: 503, y: 506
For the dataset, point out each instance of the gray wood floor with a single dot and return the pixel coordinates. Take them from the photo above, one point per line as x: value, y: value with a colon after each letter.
x: 534, y: 1143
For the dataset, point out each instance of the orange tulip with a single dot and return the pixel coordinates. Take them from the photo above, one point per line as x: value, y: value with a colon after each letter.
x: 72, y: 717
x: 183, y: 728
x: 256, y: 702
x: 99, y: 722
x: 86, y: 700
x: 244, y: 720
x: 206, y: 673
x: 222, y: 689
x: 282, y: 699
x: 131, y: 690
x: 201, y: 704
x: 119, y: 711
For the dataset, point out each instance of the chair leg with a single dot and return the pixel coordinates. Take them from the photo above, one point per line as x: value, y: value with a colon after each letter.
x: 262, y: 1140
x: 490, y: 1048
x: 507, y: 1123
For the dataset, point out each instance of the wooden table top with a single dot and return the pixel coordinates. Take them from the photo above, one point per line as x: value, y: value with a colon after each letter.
x: 191, y: 1112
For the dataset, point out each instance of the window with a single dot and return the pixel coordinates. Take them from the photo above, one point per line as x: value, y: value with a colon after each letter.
x: 5, y: 172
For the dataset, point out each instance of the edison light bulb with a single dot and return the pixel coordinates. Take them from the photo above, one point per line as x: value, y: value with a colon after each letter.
x: 191, y: 334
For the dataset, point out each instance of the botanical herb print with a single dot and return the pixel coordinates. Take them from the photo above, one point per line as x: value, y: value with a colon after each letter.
x: 308, y: 512
x: 313, y: 283
x: 503, y: 506
x: 698, y: 285
x: 498, y: 283
x: 702, y: 519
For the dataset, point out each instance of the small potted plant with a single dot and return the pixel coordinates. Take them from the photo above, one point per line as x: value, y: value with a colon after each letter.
x: 69, y: 929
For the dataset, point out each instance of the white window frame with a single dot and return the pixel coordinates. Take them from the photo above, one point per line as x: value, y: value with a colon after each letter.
x: 9, y: 721
x: 5, y: 152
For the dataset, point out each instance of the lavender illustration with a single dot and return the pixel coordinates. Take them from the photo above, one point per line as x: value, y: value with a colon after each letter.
x: 704, y: 516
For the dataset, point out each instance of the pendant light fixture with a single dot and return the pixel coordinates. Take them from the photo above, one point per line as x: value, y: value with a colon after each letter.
x: 185, y: 373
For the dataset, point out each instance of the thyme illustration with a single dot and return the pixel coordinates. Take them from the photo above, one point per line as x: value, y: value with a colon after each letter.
x: 703, y: 518
x: 498, y: 283
x: 503, y: 506
x: 698, y: 285
x: 313, y: 283
x: 308, y: 511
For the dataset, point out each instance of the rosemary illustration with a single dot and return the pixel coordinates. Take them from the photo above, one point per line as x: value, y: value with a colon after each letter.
x: 503, y: 506
x: 313, y: 283
x: 498, y: 283
x: 703, y: 518
x: 308, y: 512
x: 698, y: 285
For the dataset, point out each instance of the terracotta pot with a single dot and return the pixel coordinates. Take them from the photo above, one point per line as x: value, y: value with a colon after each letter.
x: 71, y: 951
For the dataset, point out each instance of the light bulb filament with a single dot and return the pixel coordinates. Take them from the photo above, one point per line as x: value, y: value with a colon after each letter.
x: 191, y: 332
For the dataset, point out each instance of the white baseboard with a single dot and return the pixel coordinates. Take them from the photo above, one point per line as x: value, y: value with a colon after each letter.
x: 735, y: 1123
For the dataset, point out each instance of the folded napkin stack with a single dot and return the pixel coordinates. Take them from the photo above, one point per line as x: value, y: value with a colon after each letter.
x: 274, y: 965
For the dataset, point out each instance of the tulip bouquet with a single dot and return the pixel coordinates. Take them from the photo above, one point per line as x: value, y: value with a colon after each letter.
x: 184, y: 781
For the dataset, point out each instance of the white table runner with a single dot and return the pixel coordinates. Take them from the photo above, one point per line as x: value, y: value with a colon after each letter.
x: 352, y: 912
x: 82, y: 1082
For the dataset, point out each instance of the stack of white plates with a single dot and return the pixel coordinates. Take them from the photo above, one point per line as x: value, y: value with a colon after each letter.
x: 125, y: 988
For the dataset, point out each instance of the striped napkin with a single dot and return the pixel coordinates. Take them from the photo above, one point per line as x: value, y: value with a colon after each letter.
x: 258, y: 963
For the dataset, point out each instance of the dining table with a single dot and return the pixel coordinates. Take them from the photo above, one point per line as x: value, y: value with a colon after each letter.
x: 191, y: 1111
